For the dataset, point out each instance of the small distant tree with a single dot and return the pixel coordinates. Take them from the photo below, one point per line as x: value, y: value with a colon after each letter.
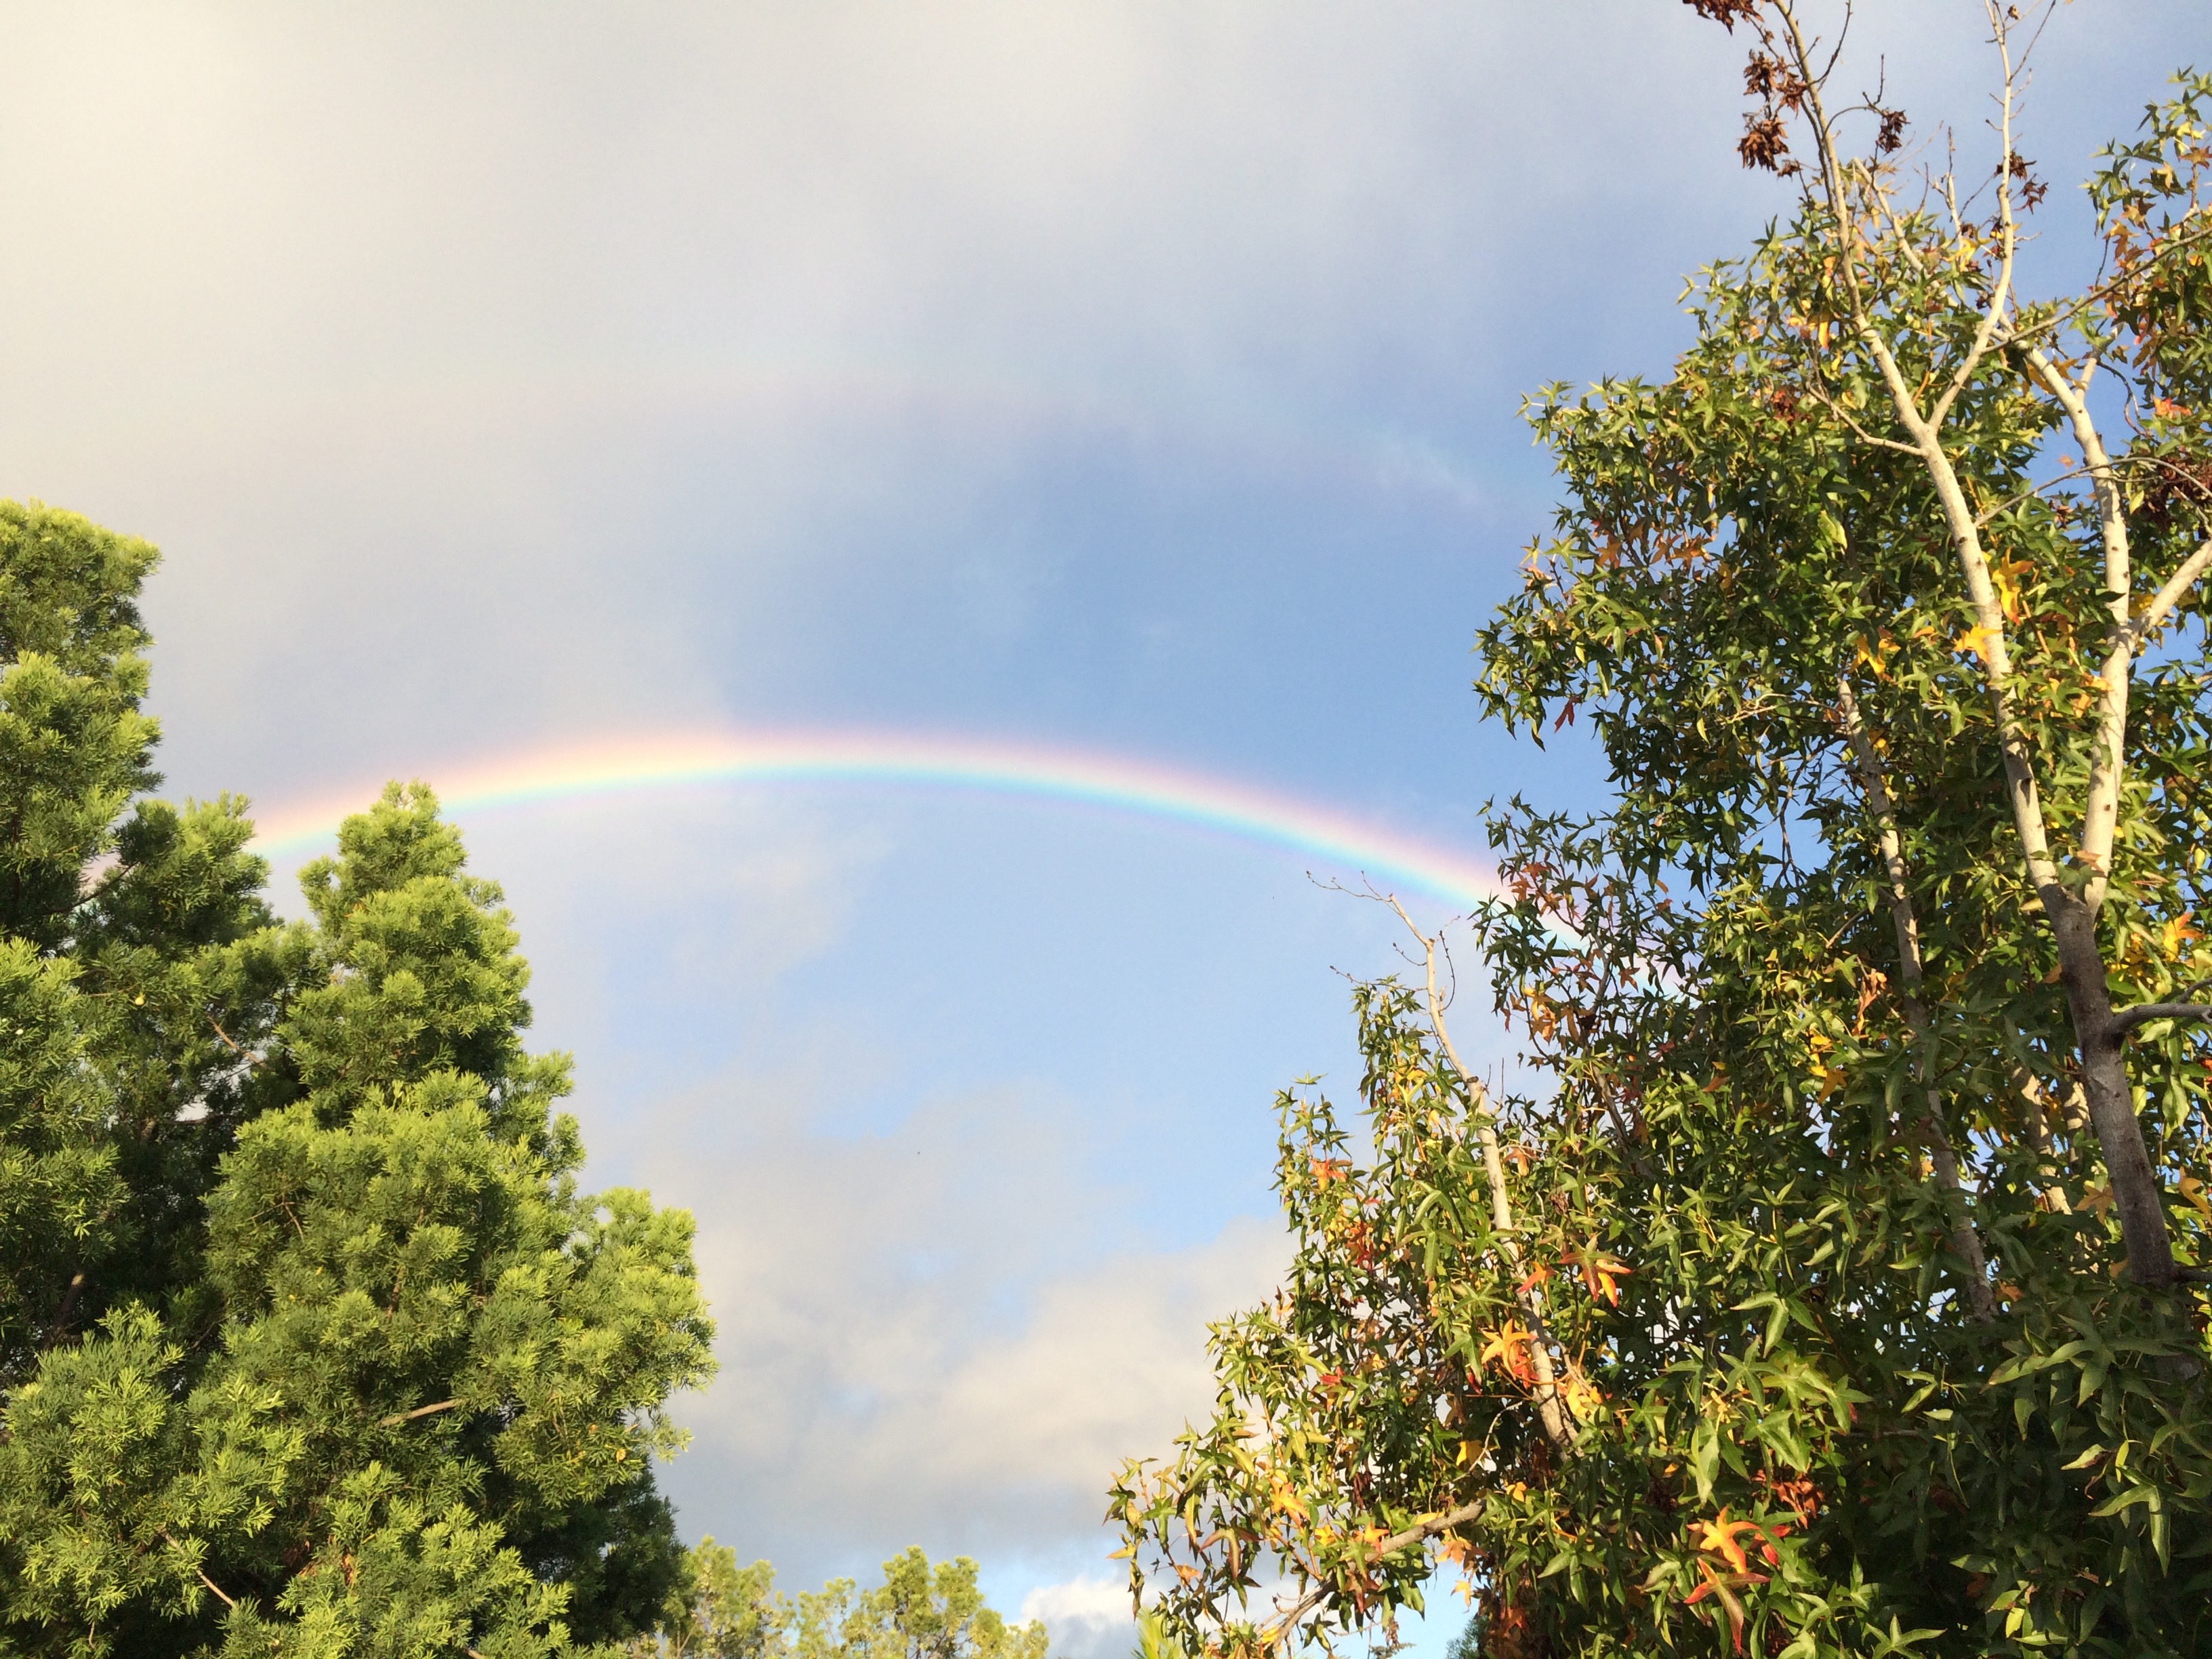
x: 309, y: 1342
x: 1840, y: 1288
x: 718, y: 1610
x: 918, y: 1611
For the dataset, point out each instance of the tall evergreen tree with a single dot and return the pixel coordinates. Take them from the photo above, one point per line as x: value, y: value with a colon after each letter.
x: 310, y: 1343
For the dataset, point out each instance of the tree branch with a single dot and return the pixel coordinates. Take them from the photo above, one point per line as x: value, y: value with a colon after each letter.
x: 419, y: 1411
x: 1964, y: 1239
x: 1419, y: 1533
x: 2073, y: 922
x: 2126, y: 1019
x: 2160, y: 604
x: 213, y: 1588
x: 1551, y: 1406
x: 2008, y: 231
x: 231, y: 1043
x: 2100, y: 812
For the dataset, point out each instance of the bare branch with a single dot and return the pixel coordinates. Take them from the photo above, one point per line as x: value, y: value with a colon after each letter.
x: 214, y: 1589
x: 2160, y: 604
x: 2000, y: 297
x: 1419, y: 1533
x: 2144, y: 1013
x: 231, y: 1043
x: 419, y: 1411
x: 2100, y: 813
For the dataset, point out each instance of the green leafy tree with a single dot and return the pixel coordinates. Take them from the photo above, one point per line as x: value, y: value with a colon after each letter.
x: 1836, y: 1285
x: 918, y: 1611
x: 718, y: 1610
x: 309, y: 1342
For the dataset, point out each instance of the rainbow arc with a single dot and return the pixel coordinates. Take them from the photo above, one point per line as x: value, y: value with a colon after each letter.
x: 1341, y: 844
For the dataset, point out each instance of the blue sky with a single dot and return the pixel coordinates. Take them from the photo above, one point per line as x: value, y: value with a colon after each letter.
x: 1137, y: 376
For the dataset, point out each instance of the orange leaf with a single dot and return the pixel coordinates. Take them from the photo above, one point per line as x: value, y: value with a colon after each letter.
x: 1719, y: 1535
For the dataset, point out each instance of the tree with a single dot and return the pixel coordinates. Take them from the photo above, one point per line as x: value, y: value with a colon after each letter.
x: 1836, y: 1284
x: 718, y: 1610
x: 310, y: 1343
x: 918, y: 1611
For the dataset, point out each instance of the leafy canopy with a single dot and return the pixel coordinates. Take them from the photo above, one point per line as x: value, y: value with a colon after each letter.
x: 723, y: 1611
x: 1840, y: 1288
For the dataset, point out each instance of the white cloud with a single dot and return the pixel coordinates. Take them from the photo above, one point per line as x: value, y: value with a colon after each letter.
x: 1086, y: 1618
x: 933, y: 1335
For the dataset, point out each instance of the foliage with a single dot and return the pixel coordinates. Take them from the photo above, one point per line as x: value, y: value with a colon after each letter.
x: 309, y: 1342
x: 1841, y: 1289
x: 718, y: 1610
x: 918, y: 1611
x: 1155, y: 1640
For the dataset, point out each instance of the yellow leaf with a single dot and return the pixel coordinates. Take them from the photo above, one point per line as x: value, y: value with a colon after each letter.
x: 2192, y: 1190
x: 1976, y: 642
x: 1583, y: 1396
x: 1508, y: 1347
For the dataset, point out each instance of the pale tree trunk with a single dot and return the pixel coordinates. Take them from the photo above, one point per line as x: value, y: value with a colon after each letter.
x: 2100, y: 1031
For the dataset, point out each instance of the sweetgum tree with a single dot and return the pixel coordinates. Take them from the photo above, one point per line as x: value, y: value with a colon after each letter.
x: 1841, y: 1291
x: 309, y: 1343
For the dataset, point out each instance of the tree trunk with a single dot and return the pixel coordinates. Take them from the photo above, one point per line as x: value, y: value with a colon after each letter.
x: 2110, y: 1098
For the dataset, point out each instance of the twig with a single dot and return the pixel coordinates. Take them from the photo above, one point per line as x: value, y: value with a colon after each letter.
x: 213, y: 1588
x: 419, y: 1411
x: 1419, y: 1533
x: 231, y: 1043
x: 1964, y: 1239
x: 2142, y: 1013
x: 1551, y: 1408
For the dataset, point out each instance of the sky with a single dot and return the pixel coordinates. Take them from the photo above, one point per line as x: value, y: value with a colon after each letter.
x: 1122, y: 379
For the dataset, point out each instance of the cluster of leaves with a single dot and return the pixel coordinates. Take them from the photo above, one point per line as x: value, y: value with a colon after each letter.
x: 723, y: 1611
x: 1808, y: 1247
x: 309, y: 1344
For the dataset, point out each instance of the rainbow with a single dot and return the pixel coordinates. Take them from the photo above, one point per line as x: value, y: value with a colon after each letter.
x: 1347, y: 846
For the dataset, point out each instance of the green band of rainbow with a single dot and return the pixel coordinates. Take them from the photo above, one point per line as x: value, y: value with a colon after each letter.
x: 1111, y: 783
